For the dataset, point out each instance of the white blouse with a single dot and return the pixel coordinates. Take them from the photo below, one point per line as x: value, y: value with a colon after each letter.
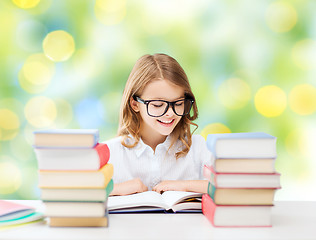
x: 153, y: 167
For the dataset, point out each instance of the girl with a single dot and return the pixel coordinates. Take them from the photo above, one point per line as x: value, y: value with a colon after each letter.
x: 155, y: 149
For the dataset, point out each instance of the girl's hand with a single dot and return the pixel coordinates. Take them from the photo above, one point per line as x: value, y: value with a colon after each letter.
x: 170, y: 185
x: 129, y: 187
x: 199, y: 186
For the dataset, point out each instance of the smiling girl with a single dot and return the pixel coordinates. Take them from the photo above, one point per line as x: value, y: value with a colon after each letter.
x: 155, y: 149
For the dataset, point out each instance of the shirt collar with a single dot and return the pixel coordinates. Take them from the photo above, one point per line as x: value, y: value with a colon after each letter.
x: 141, y: 146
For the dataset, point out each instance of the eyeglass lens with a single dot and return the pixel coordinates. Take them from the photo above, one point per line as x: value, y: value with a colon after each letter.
x: 158, y: 108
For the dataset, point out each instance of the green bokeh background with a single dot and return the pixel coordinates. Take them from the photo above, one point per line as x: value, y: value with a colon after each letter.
x: 214, y: 41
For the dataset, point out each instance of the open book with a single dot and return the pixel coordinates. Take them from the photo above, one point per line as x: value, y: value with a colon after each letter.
x: 150, y: 201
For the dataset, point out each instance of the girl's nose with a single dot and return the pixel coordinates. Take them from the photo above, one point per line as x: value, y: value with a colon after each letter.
x: 169, y: 111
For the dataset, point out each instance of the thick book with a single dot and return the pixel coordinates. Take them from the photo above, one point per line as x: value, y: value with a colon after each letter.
x: 12, y: 213
x: 242, y: 180
x: 78, y: 221
x: 241, y: 196
x: 66, y: 138
x: 236, y: 216
x: 75, y: 209
x: 76, y: 179
x: 77, y: 194
x: 73, y: 159
x: 244, y: 165
x: 150, y: 201
x: 242, y: 145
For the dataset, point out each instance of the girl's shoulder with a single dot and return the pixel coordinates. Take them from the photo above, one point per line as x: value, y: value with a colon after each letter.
x: 198, y: 139
x: 116, y: 141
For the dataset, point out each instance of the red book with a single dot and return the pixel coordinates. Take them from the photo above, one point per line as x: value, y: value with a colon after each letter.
x: 242, y: 180
x: 76, y: 159
x: 235, y: 215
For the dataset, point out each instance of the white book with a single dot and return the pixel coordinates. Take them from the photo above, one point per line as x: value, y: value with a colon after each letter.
x: 72, y: 159
x: 242, y: 145
x: 75, y: 209
x: 152, y: 201
x: 66, y: 138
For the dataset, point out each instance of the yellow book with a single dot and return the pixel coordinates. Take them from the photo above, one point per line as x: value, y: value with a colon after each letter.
x: 76, y: 179
x: 78, y: 221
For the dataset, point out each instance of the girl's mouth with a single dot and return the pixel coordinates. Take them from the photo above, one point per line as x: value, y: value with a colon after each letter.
x: 166, y: 123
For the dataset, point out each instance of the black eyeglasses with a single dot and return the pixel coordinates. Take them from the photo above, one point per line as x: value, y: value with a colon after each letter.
x: 157, y: 108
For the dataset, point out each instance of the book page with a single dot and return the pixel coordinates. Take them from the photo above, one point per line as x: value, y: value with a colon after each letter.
x: 144, y: 199
x: 171, y: 198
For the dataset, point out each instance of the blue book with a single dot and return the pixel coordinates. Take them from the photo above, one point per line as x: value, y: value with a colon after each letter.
x: 66, y: 138
x: 242, y: 145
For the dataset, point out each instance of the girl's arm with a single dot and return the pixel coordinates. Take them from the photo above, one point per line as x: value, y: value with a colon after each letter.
x: 129, y: 187
x: 182, y: 185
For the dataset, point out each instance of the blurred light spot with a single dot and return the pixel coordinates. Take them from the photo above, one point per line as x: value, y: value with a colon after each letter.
x: 303, y: 54
x: 302, y: 99
x: 38, y: 70
x: 270, y: 101
x: 30, y: 34
x: 88, y: 113
x: 26, y: 3
x: 20, y: 149
x: 9, y: 124
x: 234, y: 93
x: 111, y: 102
x: 214, y: 128
x: 28, y: 133
x: 110, y: 12
x: 36, y: 73
x: 296, y: 143
x: 29, y: 186
x: 64, y: 113
x: 40, y: 111
x: 281, y: 16
x: 59, y: 45
x: 84, y: 65
x: 10, y: 176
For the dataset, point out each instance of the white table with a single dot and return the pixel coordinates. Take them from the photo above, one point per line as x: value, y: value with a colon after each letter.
x: 291, y: 220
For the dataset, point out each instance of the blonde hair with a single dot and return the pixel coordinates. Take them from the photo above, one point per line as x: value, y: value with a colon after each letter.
x: 149, y: 68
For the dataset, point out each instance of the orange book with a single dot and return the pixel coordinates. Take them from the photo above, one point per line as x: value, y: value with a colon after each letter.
x: 76, y: 179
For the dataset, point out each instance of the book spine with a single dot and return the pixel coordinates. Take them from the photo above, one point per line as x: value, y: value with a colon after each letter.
x: 211, y: 190
x: 208, y: 208
x: 103, y: 152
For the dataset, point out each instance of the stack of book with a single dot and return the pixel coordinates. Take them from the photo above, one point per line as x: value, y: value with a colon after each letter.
x: 242, y: 180
x: 74, y: 176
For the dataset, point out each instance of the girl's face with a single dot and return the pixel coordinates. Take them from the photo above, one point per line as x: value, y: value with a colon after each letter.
x: 158, y: 126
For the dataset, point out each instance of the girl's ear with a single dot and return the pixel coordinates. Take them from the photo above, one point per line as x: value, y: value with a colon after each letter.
x: 134, y: 104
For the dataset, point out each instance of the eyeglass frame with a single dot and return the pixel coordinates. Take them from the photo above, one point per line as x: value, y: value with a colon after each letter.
x: 146, y: 102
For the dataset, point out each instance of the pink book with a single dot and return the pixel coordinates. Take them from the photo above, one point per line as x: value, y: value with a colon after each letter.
x: 235, y: 215
x: 10, y: 210
x: 242, y: 180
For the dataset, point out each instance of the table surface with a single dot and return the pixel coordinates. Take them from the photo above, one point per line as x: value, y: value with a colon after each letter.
x: 290, y: 219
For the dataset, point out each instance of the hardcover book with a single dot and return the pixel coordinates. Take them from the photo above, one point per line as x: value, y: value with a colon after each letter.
x: 66, y: 138
x: 75, y: 209
x: 244, y: 165
x: 78, y: 221
x: 235, y: 215
x: 241, y: 196
x: 72, y: 159
x: 77, y: 194
x: 242, y: 180
x: 76, y: 179
x: 242, y: 145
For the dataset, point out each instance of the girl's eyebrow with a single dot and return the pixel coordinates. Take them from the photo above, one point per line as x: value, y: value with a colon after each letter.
x: 171, y: 100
